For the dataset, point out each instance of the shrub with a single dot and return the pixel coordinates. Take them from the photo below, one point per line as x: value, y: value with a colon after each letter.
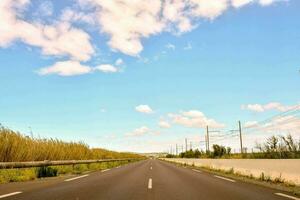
x: 46, y: 172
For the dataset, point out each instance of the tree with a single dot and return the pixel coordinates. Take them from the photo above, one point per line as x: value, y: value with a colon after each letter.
x: 218, y: 151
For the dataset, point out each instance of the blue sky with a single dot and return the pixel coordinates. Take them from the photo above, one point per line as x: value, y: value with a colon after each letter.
x: 85, y: 71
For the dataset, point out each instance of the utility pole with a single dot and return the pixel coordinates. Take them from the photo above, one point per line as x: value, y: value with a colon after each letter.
x: 191, y: 145
x: 176, y: 150
x: 241, y: 139
x: 207, y: 138
x: 186, y: 144
x: 205, y: 143
x: 240, y: 133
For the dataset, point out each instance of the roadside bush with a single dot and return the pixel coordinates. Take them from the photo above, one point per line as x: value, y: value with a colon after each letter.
x: 46, y: 172
x: 218, y: 151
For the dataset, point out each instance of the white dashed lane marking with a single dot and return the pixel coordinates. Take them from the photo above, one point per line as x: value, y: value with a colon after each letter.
x: 226, y: 179
x: 10, y: 194
x: 75, y: 178
x: 150, y: 183
x: 195, y: 170
x: 287, y: 196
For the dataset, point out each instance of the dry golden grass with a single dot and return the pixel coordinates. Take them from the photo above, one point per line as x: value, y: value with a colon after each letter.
x: 17, y: 147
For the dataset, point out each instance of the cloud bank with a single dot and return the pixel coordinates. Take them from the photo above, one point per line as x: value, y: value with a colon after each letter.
x: 125, y: 22
x: 267, y: 107
x: 194, y: 119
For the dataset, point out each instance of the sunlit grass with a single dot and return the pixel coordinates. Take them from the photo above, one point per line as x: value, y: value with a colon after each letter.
x: 15, y: 147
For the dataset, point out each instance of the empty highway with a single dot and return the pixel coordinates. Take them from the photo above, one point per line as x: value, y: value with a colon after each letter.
x: 148, y: 179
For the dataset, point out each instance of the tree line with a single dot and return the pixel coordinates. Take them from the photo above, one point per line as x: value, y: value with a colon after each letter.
x: 275, y: 147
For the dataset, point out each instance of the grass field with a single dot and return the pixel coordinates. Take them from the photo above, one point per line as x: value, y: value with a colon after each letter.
x: 17, y: 147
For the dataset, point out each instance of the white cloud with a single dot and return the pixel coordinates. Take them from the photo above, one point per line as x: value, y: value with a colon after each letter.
x: 170, y: 46
x: 266, y: 2
x: 209, y: 9
x: 45, y: 9
x: 164, y: 124
x: 144, y: 109
x: 106, y: 68
x: 59, y: 39
x: 126, y: 22
x: 194, y: 119
x: 66, y: 68
x: 138, y: 132
x: 119, y: 62
x: 281, y: 124
x: 73, y: 68
x: 69, y: 15
x: 142, y: 131
x: 240, y: 3
x: 253, y: 107
x: 266, y: 107
x: 289, y: 123
x: 175, y: 14
x: 250, y: 124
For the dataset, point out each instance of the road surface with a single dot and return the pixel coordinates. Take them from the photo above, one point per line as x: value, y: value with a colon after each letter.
x: 144, y: 180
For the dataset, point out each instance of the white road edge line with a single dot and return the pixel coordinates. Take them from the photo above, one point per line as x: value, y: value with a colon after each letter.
x: 150, y: 183
x: 118, y: 167
x: 226, y: 179
x: 195, y: 170
x: 287, y: 196
x: 151, y: 167
x: 10, y: 194
x: 78, y: 177
x: 105, y: 170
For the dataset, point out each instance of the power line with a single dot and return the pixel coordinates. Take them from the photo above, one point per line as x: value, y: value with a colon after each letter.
x: 295, y: 109
x: 280, y: 121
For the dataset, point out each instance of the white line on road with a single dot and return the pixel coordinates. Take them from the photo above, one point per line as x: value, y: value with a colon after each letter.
x: 118, y: 167
x: 226, y: 179
x: 150, y: 183
x: 151, y: 167
x: 10, y: 194
x: 195, y: 170
x: 105, y: 170
x: 78, y: 177
x: 287, y: 196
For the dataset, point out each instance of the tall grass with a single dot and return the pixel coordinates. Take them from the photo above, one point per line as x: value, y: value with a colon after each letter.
x: 17, y: 147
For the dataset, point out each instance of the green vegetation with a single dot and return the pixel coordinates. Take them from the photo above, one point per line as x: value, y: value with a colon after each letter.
x: 17, y: 147
x: 15, y: 175
x: 279, y: 147
x: 276, y: 147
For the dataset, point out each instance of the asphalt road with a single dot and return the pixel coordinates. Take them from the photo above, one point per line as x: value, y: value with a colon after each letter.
x: 149, y: 179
